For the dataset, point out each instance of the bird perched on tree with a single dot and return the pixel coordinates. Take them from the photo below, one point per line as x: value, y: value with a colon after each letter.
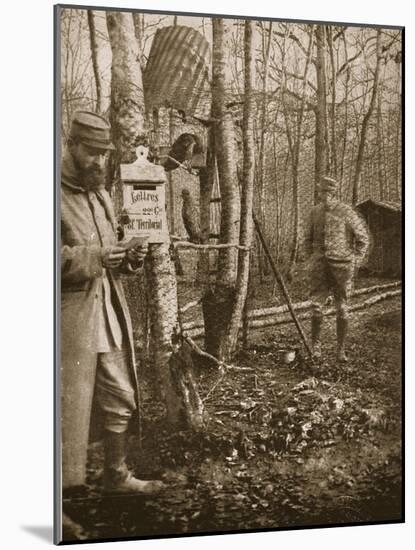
x: 191, y: 219
x: 182, y: 150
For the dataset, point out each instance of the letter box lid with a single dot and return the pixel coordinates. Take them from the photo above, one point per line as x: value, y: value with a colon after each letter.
x: 142, y: 170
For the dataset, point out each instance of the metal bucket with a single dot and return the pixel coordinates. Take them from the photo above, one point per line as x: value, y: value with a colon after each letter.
x: 177, y: 70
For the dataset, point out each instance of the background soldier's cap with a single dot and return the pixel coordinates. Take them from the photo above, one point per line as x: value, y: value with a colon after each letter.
x: 328, y: 184
x: 91, y: 129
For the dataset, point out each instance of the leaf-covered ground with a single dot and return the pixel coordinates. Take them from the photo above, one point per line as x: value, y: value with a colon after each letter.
x: 286, y: 446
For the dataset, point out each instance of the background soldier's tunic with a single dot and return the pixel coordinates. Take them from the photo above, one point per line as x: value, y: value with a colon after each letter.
x: 337, y: 240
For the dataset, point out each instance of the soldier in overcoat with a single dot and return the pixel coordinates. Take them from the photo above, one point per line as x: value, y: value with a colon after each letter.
x: 97, y: 351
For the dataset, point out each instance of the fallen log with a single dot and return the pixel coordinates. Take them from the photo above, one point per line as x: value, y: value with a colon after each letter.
x: 375, y: 288
x: 268, y: 322
x: 196, y: 329
x: 276, y: 310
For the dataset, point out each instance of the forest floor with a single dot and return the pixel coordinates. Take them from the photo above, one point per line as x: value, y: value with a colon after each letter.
x: 285, y: 446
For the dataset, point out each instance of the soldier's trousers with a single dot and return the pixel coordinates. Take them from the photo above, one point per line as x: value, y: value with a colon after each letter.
x: 328, y: 277
x: 114, y: 390
x: 108, y: 376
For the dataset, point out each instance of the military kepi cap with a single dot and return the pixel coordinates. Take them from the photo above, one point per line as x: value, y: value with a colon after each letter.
x: 328, y: 184
x: 91, y: 129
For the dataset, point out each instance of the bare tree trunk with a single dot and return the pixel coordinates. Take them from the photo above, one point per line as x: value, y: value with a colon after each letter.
x: 266, y: 55
x: 277, y: 199
x: 260, y: 168
x: 366, y: 119
x: 247, y: 195
x: 398, y: 142
x: 94, y: 57
x: 294, y: 145
x: 221, y: 297
x: 297, y: 148
x: 379, y: 143
x: 127, y: 95
x: 206, y: 180
x: 172, y: 209
x: 346, y: 121
x: 172, y: 360
x: 333, y: 148
x: 321, y: 110
x: 138, y: 19
x: 226, y: 156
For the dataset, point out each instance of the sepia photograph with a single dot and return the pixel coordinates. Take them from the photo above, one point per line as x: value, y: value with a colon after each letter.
x: 229, y: 239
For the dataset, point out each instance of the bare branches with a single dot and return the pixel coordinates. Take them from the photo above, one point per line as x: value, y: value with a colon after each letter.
x: 292, y: 37
x: 94, y: 57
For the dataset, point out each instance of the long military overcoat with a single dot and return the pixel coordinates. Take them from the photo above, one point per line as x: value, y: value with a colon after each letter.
x: 82, y: 239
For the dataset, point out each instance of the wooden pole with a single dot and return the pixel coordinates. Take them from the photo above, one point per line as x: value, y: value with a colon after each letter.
x: 281, y: 282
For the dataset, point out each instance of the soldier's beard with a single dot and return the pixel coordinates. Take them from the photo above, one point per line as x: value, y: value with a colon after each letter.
x: 92, y: 178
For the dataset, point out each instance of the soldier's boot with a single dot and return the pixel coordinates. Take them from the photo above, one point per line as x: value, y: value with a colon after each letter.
x: 342, y: 330
x: 316, y: 324
x: 117, y: 477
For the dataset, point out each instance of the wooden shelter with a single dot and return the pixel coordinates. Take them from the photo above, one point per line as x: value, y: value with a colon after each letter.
x: 384, y: 220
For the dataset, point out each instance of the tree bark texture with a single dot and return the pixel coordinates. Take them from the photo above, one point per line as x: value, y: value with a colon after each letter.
x: 333, y: 146
x: 247, y: 197
x: 138, y: 19
x: 366, y: 120
x: 94, y: 58
x: 321, y: 110
x: 173, y: 364
x: 226, y: 156
x: 261, y: 154
x: 206, y: 180
x: 127, y: 94
x: 218, y: 301
x: 294, y: 144
x: 171, y: 359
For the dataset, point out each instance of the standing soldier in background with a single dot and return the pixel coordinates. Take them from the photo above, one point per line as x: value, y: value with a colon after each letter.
x: 97, y: 352
x: 338, y: 241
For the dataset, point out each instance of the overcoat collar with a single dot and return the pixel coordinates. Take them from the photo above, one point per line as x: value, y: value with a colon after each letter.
x: 70, y: 178
x: 70, y: 174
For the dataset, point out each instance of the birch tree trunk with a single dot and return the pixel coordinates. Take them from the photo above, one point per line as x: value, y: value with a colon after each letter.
x: 218, y: 301
x: 172, y: 359
x: 225, y: 154
x: 247, y: 194
x: 294, y: 142
x: 333, y: 147
x: 321, y: 109
x: 138, y: 19
x: 343, y: 187
x: 206, y: 180
x: 127, y: 95
x: 366, y: 120
x: 94, y: 58
x: 266, y: 54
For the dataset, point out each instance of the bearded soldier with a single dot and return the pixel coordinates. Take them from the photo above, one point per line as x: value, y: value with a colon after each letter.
x: 97, y: 353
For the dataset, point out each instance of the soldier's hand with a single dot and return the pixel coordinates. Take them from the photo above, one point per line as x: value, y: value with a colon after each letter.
x: 136, y: 255
x: 112, y: 256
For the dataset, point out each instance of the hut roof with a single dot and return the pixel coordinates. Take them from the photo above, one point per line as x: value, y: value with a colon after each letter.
x: 385, y: 205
